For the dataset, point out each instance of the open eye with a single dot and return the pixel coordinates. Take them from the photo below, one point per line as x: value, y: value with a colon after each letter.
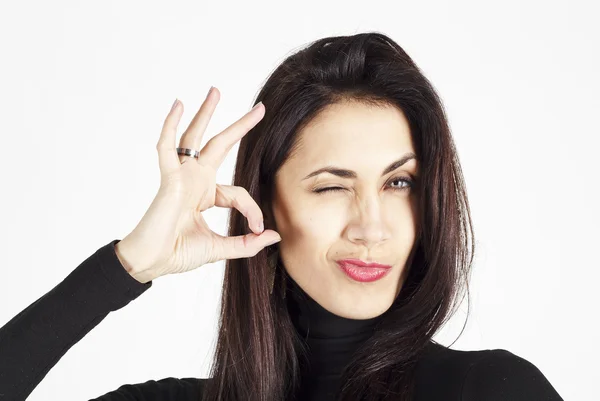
x: 409, y: 184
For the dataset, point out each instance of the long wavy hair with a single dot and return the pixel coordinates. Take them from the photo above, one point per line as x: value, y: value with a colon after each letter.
x: 258, y: 352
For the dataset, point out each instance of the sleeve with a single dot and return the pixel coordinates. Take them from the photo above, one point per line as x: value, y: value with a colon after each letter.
x: 33, y: 341
x: 186, y: 389
x: 504, y: 376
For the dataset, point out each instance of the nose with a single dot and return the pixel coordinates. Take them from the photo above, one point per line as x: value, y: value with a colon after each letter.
x: 367, y: 225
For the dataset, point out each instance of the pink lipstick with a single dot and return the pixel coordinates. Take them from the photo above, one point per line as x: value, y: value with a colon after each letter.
x: 364, y: 272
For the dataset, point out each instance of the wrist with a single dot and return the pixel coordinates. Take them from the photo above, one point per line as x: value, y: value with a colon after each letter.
x: 143, y: 277
x: 131, y: 262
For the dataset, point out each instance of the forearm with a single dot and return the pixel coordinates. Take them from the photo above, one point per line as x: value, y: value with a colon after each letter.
x: 34, y: 340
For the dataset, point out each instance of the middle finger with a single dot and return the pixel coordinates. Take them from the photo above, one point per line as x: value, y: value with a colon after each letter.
x: 192, y: 137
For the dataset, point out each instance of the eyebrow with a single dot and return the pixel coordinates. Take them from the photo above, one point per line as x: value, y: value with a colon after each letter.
x: 344, y: 173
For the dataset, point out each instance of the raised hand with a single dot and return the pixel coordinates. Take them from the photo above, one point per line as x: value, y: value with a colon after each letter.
x: 172, y: 236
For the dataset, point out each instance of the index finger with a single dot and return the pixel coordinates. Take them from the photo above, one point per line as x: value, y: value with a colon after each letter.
x: 216, y: 149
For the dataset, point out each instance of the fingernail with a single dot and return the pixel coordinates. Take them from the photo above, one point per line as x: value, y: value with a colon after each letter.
x: 210, y: 90
x: 174, y: 104
x: 261, y: 226
x: 256, y: 105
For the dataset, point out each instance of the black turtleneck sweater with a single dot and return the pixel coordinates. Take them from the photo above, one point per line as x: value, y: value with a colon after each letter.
x: 331, y: 341
x: 33, y: 341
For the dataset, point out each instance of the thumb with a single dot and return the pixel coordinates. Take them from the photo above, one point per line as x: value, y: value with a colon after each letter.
x: 244, y: 246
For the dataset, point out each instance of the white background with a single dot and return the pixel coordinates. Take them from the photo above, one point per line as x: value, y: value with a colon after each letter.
x: 85, y: 88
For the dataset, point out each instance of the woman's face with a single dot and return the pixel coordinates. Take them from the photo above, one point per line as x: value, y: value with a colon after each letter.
x: 371, y: 216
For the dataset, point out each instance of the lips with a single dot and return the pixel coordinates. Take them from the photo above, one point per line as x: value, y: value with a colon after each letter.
x: 360, y: 263
x: 363, y: 272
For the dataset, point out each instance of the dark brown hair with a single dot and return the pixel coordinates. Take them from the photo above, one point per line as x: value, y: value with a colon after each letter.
x: 258, y: 351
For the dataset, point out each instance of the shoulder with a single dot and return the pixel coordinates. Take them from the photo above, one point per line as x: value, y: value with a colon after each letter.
x: 483, y: 375
x: 170, y: 388
x: 501, y: 375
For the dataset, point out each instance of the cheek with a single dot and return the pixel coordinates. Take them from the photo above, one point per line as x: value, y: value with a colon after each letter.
x: 306, y: 246
x: 403, y: 225
x: 315, y: 226
x: 402, y: 218
x: 301, y: 223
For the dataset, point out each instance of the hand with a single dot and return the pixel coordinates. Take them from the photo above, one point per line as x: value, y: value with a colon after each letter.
x: 172, y: 236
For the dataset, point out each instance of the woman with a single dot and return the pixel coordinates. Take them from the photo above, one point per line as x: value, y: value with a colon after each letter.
x: 350, y: 244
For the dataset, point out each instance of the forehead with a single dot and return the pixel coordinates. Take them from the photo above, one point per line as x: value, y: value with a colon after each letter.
x: 352, y: 135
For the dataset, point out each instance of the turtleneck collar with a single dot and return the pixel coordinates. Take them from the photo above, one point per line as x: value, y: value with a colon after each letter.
x: 331, y: 340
